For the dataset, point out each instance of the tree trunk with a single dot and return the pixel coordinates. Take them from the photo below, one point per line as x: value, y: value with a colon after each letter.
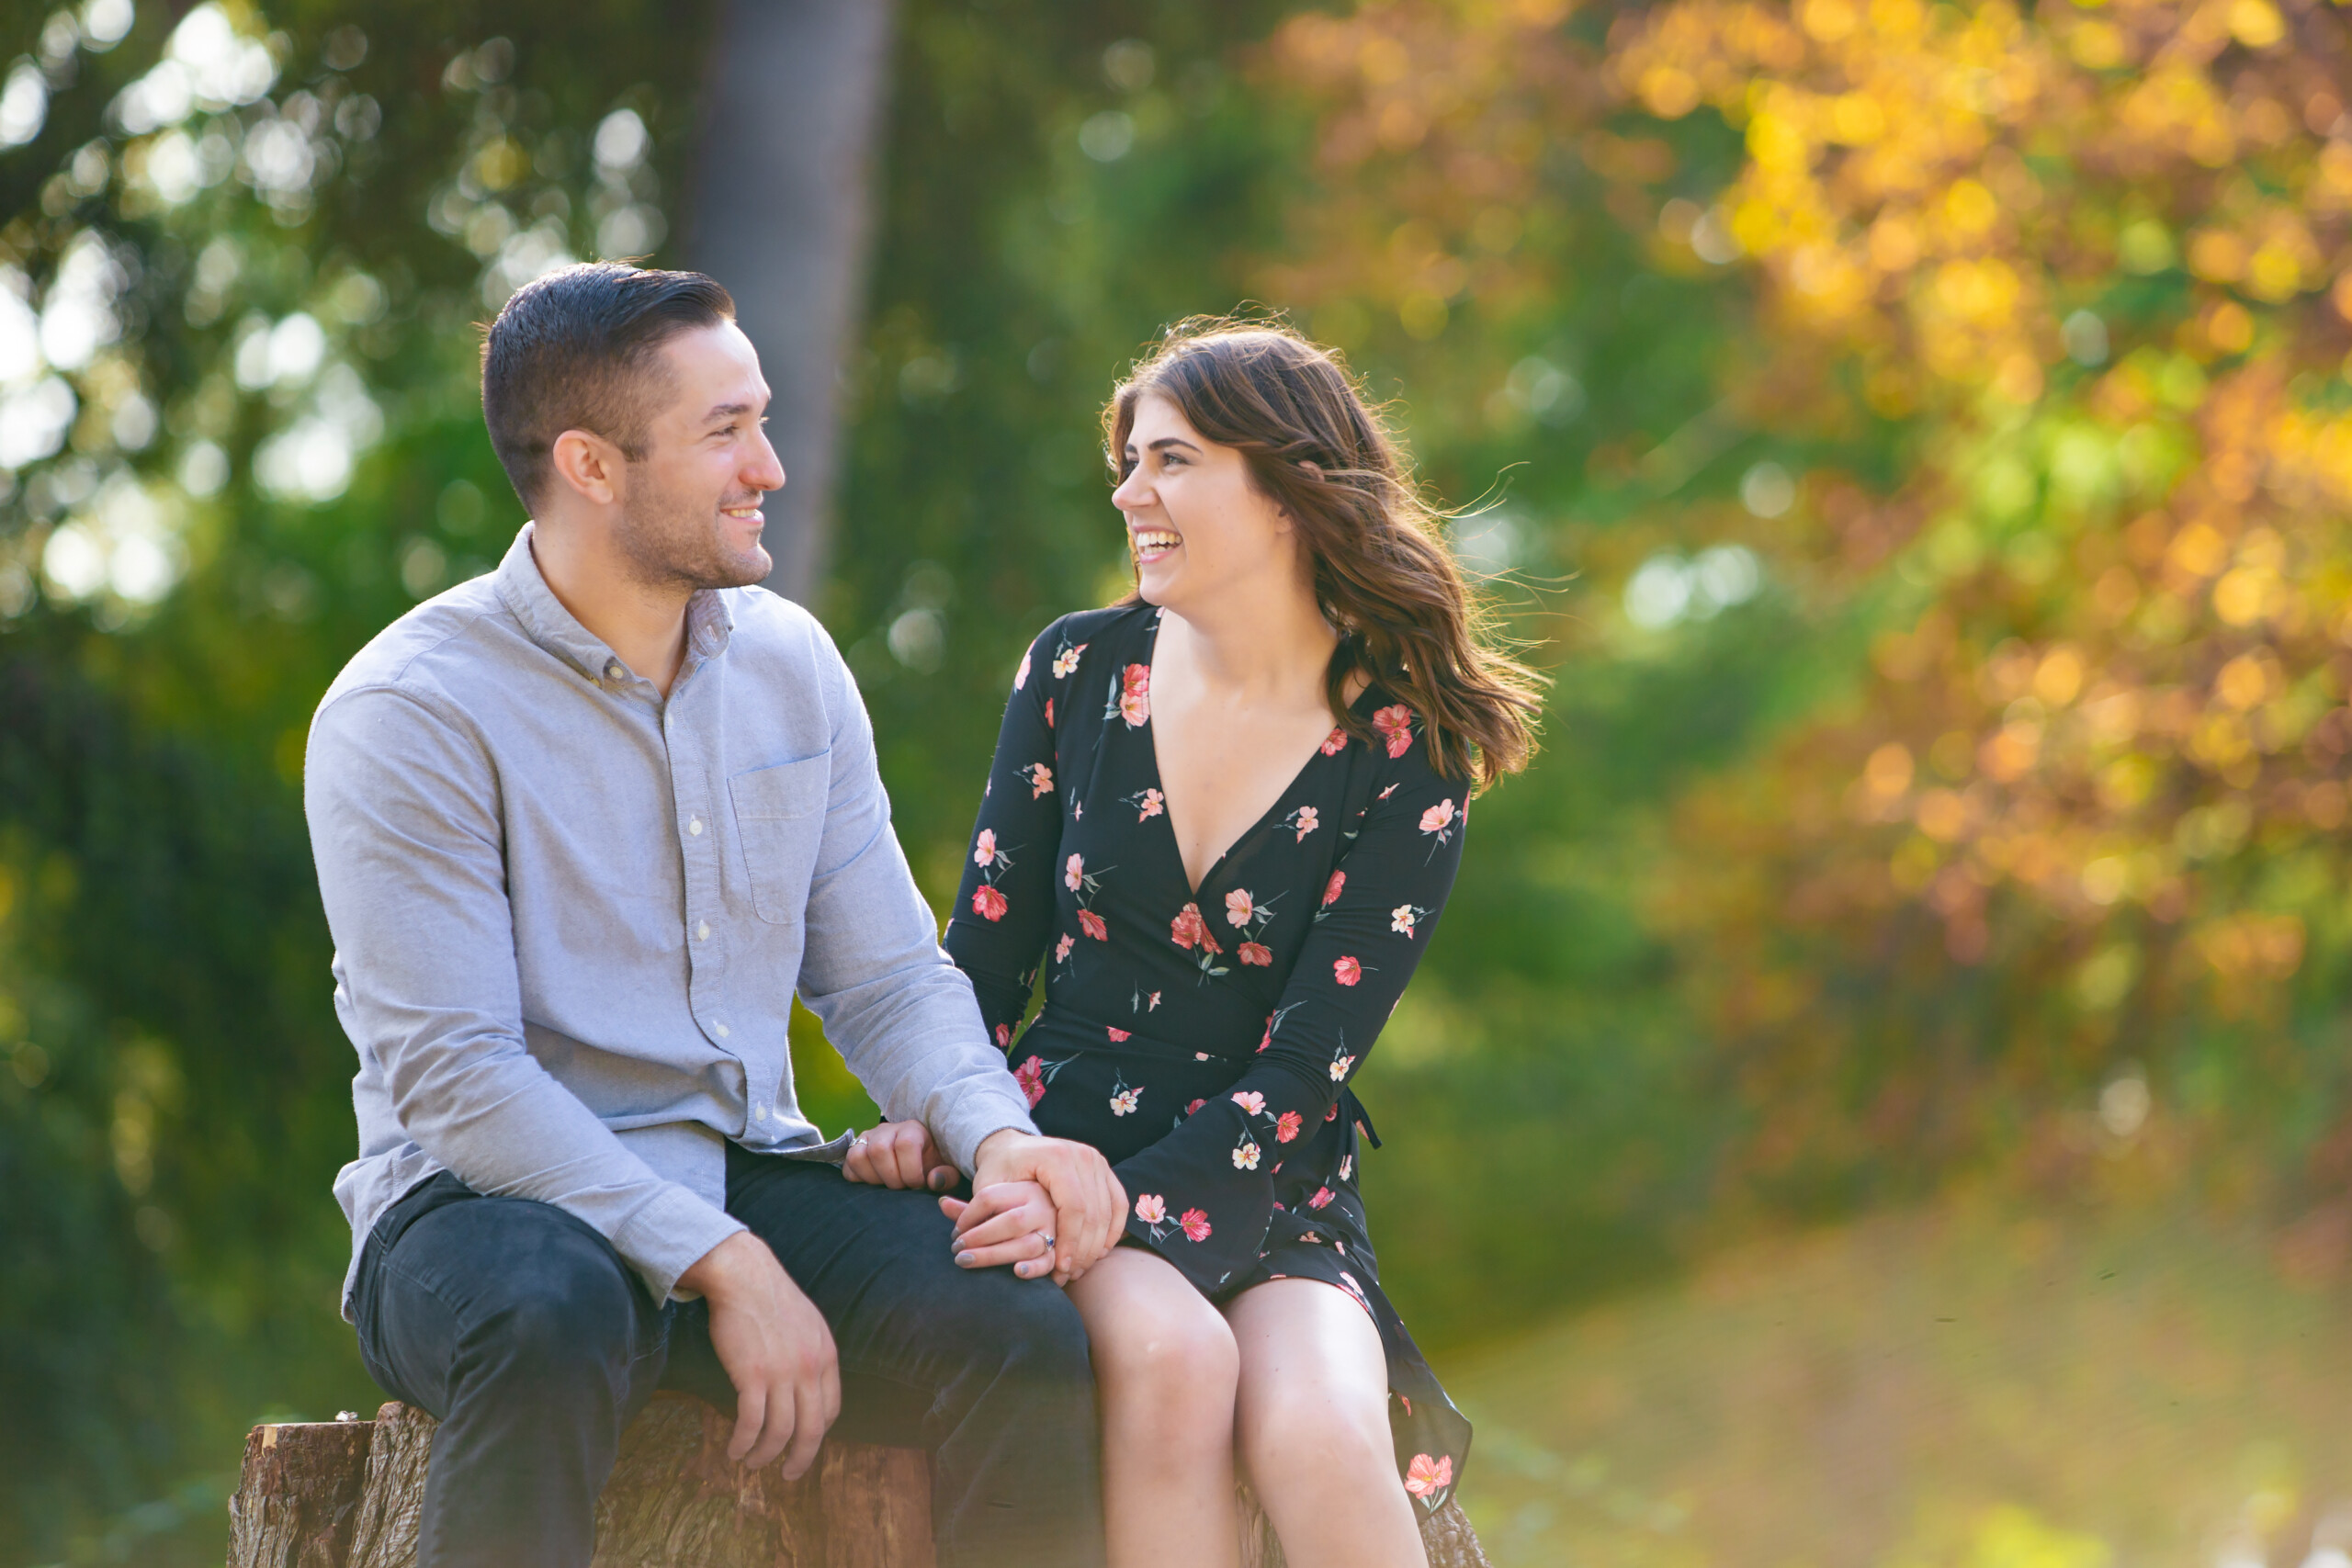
x: 782, y: 213
x: 348, y: 1494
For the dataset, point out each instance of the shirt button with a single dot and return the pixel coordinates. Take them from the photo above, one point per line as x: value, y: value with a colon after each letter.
x: 693, y: 826
x: 759, y: 1113
x: 720, y: 1030
x: 702, y: 931
x: 613, y: 670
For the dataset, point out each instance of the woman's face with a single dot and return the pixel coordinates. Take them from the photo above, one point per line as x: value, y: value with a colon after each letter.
x: 1197, y: 526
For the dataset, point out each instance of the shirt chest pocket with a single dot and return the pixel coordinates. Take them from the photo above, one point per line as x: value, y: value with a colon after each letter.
x: 779, y: 819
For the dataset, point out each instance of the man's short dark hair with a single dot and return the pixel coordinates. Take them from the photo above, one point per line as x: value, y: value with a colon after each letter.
x: 578, y: 350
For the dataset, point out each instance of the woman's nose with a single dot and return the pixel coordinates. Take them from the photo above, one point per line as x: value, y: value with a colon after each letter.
x: 1131, y: 492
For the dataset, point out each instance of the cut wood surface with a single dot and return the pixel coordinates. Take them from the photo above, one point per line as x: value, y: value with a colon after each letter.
x: 348, y: 1494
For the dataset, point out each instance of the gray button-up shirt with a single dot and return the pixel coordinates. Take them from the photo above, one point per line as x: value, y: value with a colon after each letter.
x: 570, y: 915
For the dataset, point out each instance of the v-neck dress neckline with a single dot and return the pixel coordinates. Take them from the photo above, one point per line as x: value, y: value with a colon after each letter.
x: 1148, y: 734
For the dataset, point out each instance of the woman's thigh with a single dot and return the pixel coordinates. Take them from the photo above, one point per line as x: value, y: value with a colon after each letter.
x: 1310, y: 1358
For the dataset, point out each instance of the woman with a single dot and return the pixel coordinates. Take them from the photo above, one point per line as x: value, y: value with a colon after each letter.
x: 1224, y: 816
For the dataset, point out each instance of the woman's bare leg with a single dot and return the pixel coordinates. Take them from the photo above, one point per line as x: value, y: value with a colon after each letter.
x: 1313, y: 1423
x: 1165, y: 1368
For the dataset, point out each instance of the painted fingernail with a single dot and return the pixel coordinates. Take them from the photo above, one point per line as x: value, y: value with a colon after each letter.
x: 963, y: 1260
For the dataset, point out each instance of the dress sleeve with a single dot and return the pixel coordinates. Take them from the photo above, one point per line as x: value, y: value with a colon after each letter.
x: 1004, y: 910
x: 1375, y: 915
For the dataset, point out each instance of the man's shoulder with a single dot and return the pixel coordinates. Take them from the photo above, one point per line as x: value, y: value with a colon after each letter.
x: 419, y: 652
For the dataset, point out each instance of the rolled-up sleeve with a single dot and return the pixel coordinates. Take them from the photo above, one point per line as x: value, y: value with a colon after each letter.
x: 903, y: 1014
x: 403, y: 810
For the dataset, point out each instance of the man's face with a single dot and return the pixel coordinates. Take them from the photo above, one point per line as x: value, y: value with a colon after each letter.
x: 690, y: 509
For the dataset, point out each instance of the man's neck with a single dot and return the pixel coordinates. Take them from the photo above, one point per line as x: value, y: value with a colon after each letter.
x: 646, y: 625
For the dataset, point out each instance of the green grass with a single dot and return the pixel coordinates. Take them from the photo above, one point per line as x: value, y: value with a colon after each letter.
x: 1972, y: 1384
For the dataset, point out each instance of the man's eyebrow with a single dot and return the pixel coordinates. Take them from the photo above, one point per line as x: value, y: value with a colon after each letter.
x: 728, y: 411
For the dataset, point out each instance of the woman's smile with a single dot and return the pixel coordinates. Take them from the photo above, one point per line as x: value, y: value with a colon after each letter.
x: 1153, y: 543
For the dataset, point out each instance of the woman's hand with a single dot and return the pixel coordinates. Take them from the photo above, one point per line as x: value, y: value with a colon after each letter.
x: 899, y: 1154
x: 1010, y: 1222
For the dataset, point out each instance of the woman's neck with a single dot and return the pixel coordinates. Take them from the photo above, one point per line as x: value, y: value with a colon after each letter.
x: 1254, y: 646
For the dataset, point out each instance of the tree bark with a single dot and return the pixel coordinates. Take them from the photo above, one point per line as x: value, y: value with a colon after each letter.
x: 348, y: 1494
x: 300, y: 1498
x: 783, y: 206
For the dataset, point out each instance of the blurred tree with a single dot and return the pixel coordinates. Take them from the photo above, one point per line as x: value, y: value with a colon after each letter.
x: 2049, y: 303
x: 782, y: 214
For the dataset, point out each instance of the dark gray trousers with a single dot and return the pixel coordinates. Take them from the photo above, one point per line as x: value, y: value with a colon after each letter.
x: 525, y: 1333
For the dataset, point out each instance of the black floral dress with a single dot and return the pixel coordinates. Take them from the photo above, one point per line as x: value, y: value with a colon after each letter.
x: 1205, y: 1040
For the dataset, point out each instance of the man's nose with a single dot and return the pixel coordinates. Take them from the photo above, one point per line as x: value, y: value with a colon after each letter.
x: 766, y: 471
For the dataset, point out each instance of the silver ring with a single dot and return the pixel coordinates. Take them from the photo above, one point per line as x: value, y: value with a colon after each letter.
x: 1047, y: 1237
x: 858, y: 1142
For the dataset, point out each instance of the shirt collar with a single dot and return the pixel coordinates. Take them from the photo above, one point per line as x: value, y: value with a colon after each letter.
x: 524, y: 592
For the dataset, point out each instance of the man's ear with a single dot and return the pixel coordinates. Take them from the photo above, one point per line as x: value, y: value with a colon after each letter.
x: 589, y: 465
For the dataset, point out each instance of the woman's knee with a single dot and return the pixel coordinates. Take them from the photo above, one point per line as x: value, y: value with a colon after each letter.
x: 1173, y: 1353
x: 1328, y: 1432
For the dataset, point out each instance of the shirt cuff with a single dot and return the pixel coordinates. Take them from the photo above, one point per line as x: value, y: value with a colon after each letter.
x: 669, y: 1233
x: 978, y: 1115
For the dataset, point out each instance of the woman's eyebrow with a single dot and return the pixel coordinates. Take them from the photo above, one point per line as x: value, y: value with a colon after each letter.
x: 1167, y: 441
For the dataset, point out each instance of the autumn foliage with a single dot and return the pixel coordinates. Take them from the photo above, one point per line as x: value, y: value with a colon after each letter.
x: 2083, y: 269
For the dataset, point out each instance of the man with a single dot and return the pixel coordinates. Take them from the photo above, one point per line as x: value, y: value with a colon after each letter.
x: 582, y: 827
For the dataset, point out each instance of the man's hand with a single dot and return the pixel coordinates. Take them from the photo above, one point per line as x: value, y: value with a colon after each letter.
x: 899, y: 1154
x: 776, y: 1350
x: 1089, y: 1206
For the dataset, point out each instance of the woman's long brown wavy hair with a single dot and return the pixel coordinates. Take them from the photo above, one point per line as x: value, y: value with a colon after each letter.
x: 1406, y: 615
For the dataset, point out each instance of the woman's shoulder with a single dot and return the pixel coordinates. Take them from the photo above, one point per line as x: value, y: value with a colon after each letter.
x: 1401, y: 750
x: 1066, y: 641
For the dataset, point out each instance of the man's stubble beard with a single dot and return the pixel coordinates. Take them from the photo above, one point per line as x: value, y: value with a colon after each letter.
x: 672, y: 543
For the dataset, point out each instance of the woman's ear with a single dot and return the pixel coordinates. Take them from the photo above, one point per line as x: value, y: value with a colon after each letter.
x: 1314, y: 469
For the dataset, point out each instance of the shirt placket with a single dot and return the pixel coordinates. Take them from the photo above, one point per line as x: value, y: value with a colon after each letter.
x: 699, y: 842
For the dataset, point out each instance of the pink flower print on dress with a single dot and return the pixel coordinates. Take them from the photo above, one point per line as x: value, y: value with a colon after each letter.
x: 1151, y: 1209
x: 1124, y: 1101
x: 1237, y: 907
x: 1340, y: 1069
x: 1258, y: 953
x: 1322, y: 1196
x: 1117, y: 1035
x: 984, y: 847
x: 988, y: 903
x: 1074, y: 873
x: 1093, y: 925
x: 1245, y: 1155
x: 1030, y: 1076
x: 1347, y: 1163
x: 1438, y: 817
x: 1426, y: 1477
x: 1335, y: 741
x: 1333, y: 888
x: 1150, y: 805
x: 1020, y: 676
x: 1346, y: 970
x: 1066, y: 661
x: 1305, y: 820
x: 1004, y: 1037
x: 1049, y: 713
x: 1196, y: 1224
x: 1194, y: 1106
x: 1154, y: 1005
x: 1041, y: 779
x: 1250, y: 1099
x: 1134, y: 695
x: 1286, y: 1126
x: 1062, y: 948
x: 1400, y: 920
x: 1395, y: 725
x: 1187, y: 930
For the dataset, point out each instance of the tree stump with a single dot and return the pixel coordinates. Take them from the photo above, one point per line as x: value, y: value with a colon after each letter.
x: 347, y: 1494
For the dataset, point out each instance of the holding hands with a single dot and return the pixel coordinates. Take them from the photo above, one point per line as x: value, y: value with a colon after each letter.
x: 1040, y: 1204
